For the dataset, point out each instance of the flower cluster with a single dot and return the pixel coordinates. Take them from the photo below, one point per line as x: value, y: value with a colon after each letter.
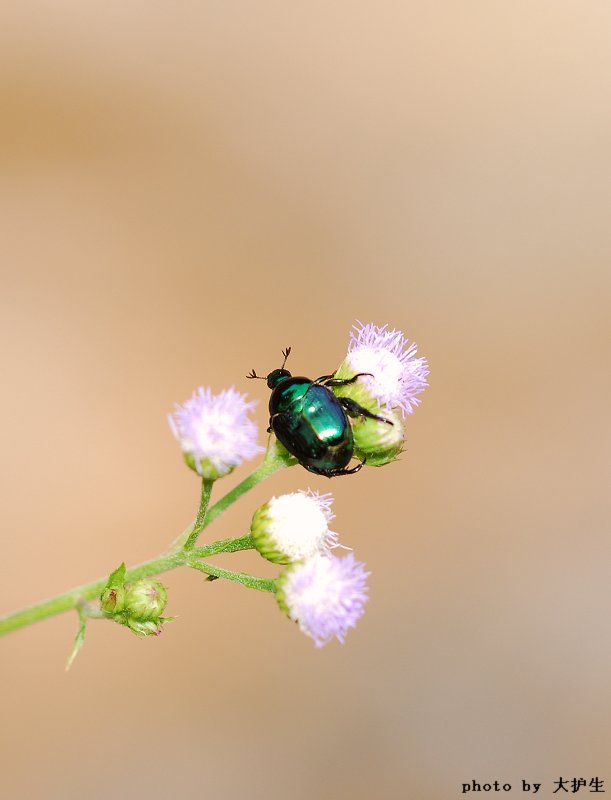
x: 377, y: 384
x: 358, y: 411
x: 324, y: 594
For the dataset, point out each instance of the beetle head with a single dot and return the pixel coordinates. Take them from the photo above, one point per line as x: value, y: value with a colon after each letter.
x: 277, y: 375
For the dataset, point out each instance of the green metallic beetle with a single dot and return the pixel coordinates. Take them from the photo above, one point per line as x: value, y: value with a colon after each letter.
x: 311, y: 422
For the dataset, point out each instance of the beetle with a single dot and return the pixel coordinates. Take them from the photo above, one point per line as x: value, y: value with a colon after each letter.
x: 313, y: 423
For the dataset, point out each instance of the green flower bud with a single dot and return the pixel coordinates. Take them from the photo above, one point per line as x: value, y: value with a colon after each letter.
x: 112, y: 600
x: 151, y: 627
x: 145, y: 599
x: 378, y: 443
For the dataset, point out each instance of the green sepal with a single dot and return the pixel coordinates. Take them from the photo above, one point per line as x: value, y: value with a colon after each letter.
x: 262, y: 539
x: 280, y: 584
x: 112, y: 599
x: 282, y: 454
x: 117, y: 578
x: 378, y: 442
x: 205, y: 468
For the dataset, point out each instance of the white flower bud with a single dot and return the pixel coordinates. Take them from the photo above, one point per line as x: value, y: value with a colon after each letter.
x: 294, y: 526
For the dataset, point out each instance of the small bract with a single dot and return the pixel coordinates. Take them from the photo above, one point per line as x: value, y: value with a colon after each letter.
x: 150, y: 627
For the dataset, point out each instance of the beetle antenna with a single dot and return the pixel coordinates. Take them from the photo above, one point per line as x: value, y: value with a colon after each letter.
x: 286, y: 353
x: 253, y: 374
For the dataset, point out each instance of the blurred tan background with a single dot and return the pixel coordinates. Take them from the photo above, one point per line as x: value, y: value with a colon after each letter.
x: 186, y: 189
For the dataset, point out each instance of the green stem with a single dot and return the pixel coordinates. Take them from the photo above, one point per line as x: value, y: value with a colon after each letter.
x: 91, y: 591
x: 224, y: 546
x: 182, y: 550
x: 200, y: 520
x: 275, y: 459
x: 262, y: 584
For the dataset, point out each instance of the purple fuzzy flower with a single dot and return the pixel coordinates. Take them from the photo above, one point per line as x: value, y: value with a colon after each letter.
x: 215, y: 432
x: 398, y: 376
x: 325, y: 595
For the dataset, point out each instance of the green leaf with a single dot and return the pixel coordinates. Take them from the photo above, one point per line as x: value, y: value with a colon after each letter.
x: 79, y: 639
x: 117, y: 578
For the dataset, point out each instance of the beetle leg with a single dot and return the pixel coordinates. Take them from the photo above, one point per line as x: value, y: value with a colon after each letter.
x: 273, y: 416
x: 331, y: 380
x: 333, y: 473
x: 341, y: 382
x: 324, y: 379
x: 356, y: 410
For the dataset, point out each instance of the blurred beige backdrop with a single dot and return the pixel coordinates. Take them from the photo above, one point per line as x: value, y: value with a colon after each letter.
x: 187, y: 188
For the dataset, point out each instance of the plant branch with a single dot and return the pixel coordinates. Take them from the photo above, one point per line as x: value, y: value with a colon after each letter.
x: 91, y: 591
x: 183, y: 550
x: 252, y: 581
x: 200, y: 520
x: 275, y: 459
